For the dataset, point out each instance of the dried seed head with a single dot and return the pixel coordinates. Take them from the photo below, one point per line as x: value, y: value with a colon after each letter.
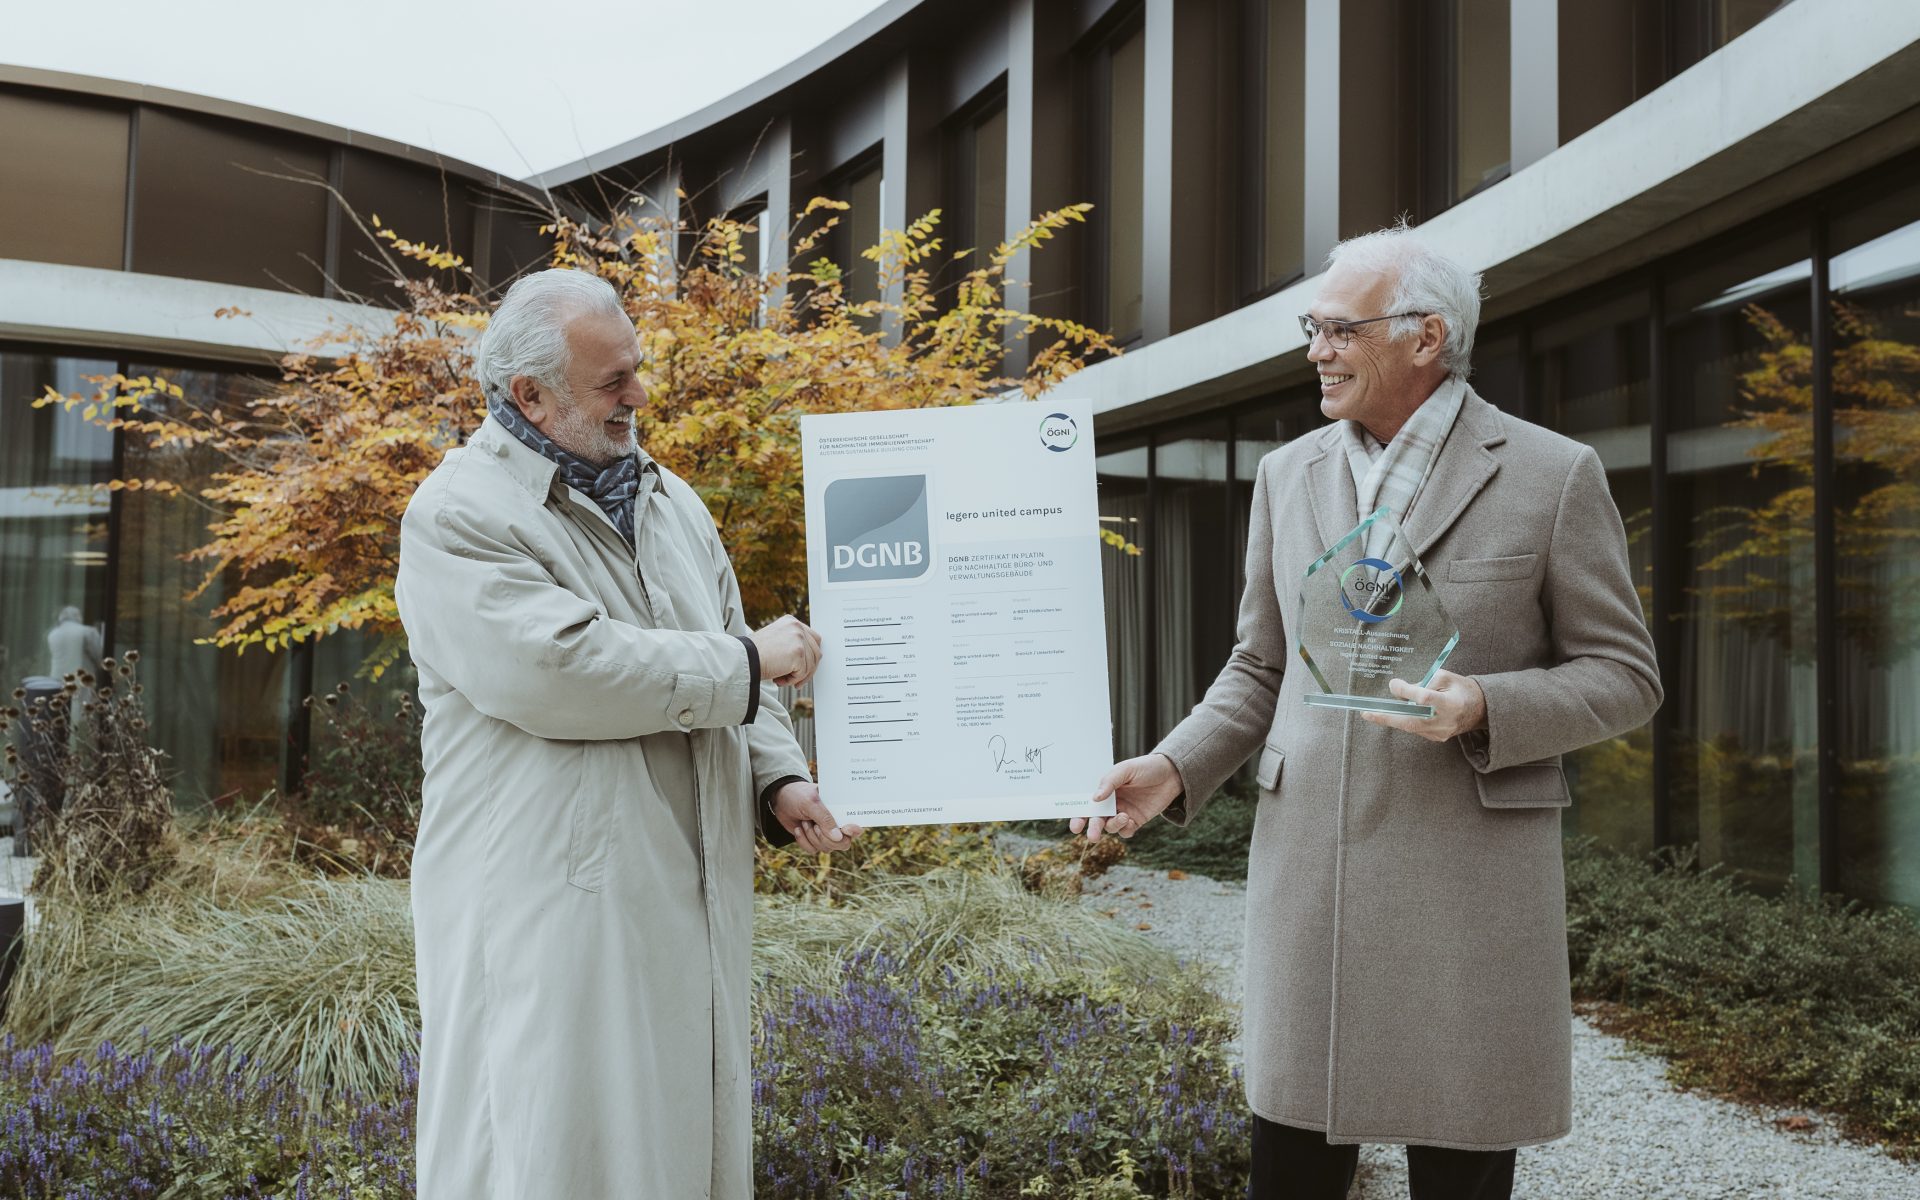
x: 133, y: 656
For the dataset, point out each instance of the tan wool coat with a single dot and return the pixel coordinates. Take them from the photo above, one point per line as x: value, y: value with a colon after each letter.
x: 582, y: 886
x: 1406, y: 912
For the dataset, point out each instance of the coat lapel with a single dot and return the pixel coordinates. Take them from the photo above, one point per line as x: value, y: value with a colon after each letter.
x: 1330, y: 489
x: 1465, y: 464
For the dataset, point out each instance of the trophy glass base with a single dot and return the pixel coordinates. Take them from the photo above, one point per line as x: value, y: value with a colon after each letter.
x: 1399, y: 708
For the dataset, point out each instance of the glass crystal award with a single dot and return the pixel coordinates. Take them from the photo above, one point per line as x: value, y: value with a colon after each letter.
x: 1368, y: 615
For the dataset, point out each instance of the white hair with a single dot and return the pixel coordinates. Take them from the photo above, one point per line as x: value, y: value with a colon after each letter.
x: 69, y: 613
x: 528, y: 332
x: 1424, y: 281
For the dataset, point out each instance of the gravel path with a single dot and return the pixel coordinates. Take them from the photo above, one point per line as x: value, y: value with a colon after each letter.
x: 1634, y: 1136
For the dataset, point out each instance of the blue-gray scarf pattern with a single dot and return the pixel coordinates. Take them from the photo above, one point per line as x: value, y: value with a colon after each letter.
x: 614, y: 488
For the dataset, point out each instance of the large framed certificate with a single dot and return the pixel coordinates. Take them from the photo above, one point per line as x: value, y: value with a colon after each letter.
x: 953, y: 570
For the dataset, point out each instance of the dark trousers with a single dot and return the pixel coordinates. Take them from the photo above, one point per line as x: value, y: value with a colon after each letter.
x: 1298, y: 1164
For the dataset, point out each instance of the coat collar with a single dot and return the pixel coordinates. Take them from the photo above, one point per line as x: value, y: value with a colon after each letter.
x: 1465, y: 464
x: 533, y: 471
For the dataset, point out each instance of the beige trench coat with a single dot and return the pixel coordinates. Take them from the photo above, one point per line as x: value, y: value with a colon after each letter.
x: 1406, y: 914
x: 582, y: 887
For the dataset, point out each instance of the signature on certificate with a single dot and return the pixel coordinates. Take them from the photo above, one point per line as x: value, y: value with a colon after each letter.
x: 997, y: 747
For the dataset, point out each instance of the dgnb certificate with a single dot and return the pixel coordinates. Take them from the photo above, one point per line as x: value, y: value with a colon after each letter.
x: 953, y: 565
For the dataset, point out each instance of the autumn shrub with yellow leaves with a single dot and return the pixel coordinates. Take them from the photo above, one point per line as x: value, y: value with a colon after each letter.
x: 316, y: 471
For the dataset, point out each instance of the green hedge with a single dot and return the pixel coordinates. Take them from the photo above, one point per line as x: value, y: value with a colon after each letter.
x: 1793, y: 1000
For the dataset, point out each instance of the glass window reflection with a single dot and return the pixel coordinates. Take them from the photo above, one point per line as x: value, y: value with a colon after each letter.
x: 1742, y: 706
x: 220, y: 716
x: 1194, y: 591
x: 1874, y: 276
x: 53, y: 524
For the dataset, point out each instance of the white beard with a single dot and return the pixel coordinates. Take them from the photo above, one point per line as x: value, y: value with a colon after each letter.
x: 578, y: 433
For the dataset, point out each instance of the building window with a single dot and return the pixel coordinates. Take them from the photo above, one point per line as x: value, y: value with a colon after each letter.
x: 1116, y: 169
x: 224, y: 202
x: 65, y: 197
x: 220, y: 716
x: 1699, y: 27
x: 978, y: 181
x: 863, y: 187
x: 1591, y: 380
x: 1257, y: 432
x: 1468, y: 82
x: 1276, y: 141
x: 1610, y: 56
x: 420, y: 204
x: 756, y: 236
x: 1742, y: 708
x: 1497, y: 371
x: 53, y: 525
x: 1874, y: 278
x: 1195, y: 591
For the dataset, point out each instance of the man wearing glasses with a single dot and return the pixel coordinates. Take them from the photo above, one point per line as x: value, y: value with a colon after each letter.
x: 1406, y: 917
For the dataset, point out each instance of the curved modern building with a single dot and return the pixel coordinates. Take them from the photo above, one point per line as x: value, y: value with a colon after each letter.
x: 1699, y: 223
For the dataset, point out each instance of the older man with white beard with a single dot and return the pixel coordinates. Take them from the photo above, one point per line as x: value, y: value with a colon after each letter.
x: 599, y: 747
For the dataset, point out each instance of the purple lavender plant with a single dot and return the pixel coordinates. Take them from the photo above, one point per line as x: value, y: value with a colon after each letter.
x: 138, y: 1123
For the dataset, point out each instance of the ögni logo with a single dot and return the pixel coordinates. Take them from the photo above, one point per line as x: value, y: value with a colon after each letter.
x: 1361, y: 596
x: 1058, y: 432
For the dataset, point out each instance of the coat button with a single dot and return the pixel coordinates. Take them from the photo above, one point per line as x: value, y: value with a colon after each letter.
x: 686, y: 718
x: 500, y: 448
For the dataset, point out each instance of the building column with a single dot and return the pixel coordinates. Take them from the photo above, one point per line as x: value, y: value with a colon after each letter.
x: 1322, y: 142
x: 1187, y: 214
x: 910, y: 151
x: 1040, y: 157
x: 1157, y: 220
x: 1533, y: 121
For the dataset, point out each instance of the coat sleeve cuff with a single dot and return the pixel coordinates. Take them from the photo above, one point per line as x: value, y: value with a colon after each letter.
x: 770, y: 826
x: 753, y: 679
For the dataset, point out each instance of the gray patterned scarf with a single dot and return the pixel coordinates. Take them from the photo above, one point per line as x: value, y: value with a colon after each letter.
x: 1395, y: 475
x: 614, y: 488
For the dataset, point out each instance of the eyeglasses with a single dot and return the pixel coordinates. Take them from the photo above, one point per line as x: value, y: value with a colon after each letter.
x: 1339, y: 334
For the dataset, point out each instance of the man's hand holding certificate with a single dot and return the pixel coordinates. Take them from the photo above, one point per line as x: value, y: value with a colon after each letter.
x: 953, y: 563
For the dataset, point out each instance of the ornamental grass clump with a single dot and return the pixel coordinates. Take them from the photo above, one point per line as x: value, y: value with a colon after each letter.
x: 1791, y: 999
x: 982, y: 1083
x: 955, y: 919
x: 152, y: 1124
x: 312, y: 981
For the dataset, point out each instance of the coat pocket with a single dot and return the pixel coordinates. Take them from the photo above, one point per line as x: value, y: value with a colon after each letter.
x: 1491, y: 570
x: 1273, y: 760
x: 1528, y: 785
x: 588, y: 837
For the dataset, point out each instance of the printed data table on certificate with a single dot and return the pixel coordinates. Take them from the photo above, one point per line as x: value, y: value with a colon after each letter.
x: 965, y: 671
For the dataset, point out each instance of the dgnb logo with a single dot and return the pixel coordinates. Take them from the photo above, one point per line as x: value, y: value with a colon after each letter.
x: 877, y: 528
x: 881, y: 554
